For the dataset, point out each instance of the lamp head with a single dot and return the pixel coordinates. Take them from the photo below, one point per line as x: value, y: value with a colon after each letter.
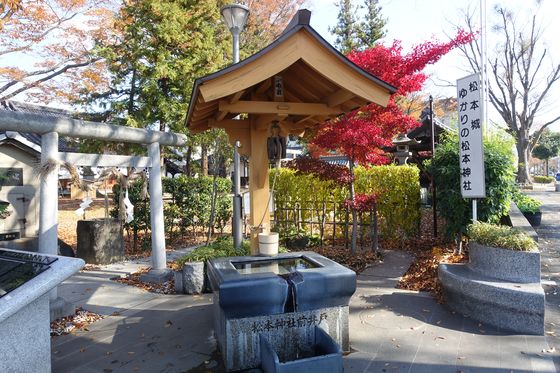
x: 235, y: 16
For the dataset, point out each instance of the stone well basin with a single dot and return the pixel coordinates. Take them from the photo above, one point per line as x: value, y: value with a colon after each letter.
x: 298, y: 281
x: 284, y: 299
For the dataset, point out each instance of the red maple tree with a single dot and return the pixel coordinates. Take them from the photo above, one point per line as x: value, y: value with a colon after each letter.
x: 361, y: 134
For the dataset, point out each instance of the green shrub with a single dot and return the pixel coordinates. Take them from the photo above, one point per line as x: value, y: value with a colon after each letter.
x: 500, y: 236
x: 189, y: 208
x: 543, y: 179
x: 191, y: 201
x: 499, y: 178
x: 221, y: 248
x: 398, y: 188
x: 398, y: 207
x: 526, y: 204
x: 297, y: 195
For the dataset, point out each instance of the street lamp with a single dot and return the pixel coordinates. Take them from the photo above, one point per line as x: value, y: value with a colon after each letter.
x: 235, y: 17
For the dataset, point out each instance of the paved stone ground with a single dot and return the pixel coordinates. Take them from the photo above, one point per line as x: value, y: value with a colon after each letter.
x: 391, y: 330
x: 549, y: 242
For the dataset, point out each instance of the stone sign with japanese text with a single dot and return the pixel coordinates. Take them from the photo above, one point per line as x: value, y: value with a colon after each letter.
x: 471, y: 154
x: 290, y: 334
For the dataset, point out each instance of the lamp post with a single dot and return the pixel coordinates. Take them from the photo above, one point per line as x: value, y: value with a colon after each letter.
x: 235, y: 17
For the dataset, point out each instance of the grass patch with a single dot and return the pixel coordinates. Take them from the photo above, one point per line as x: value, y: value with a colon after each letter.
x: 500, y: 236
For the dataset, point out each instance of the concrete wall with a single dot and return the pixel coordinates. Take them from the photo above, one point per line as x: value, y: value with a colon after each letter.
x: 28, y: 207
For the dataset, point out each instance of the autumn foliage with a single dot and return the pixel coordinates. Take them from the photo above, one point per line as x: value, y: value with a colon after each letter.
x: 46, y: 47
x: 322, y: 170
x: 361, y: 134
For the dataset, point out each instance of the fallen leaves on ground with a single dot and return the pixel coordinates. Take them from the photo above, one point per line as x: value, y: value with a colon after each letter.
x: 80, y: 320
x: 343, y: 256
x: 133, y: 279
x: 91, y: 267
x: 422, y: 274
x: 68, y: 220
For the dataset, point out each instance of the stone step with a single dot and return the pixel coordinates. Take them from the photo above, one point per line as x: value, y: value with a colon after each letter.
x: 517, y: 307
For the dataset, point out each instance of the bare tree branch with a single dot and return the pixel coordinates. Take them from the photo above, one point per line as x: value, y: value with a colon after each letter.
x: 48, y: 77
x: 516, y: 90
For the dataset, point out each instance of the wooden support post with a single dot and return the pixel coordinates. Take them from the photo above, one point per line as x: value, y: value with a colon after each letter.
x: 258, y: 186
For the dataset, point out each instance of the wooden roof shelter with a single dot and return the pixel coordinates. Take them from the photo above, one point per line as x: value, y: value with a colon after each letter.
x: 299, y: 80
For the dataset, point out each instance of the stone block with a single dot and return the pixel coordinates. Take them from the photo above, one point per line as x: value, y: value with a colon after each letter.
x: 193, y: 277
x: 24, y: 316
x: 520, y: 222
x: 100, y: 241
x: 178, y: 281
x: 26, y: 340
x: 517, y: 307
x: 325, y: 356
x: 59, y: 308
x: 503, y: 264
x: 289, y: 334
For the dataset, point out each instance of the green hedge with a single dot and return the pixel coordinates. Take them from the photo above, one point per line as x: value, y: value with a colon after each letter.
x: 191, y: 201
x: 500, y: 236
x: 189, y: 208
x: 543, y: 179
x: 398, y: 187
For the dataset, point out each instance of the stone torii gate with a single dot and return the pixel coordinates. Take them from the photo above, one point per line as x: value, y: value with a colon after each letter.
x: 50, y: 128
x: 298, y: 82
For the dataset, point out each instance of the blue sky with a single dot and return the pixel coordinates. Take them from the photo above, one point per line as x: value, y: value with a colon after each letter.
x: 414, y: 21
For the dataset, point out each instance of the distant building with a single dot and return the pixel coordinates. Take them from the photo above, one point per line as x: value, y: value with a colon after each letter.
x: 20, y: 154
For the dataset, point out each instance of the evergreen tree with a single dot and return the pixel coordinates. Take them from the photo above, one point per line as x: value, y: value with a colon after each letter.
x: 371, y: 29
x: 547, y: 147
x: 346, y: 28
x: 163, y: 45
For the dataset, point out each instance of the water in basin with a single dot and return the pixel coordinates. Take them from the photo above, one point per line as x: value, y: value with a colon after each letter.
x: 282, y: 266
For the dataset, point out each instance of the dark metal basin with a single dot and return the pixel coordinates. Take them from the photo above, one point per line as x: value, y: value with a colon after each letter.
x: 258, y: 286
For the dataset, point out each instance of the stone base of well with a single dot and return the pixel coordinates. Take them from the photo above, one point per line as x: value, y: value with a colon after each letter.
x: 26, y: 340
x: 290, y: 335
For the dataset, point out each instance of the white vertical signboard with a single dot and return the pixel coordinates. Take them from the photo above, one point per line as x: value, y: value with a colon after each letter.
x: 471, y: 155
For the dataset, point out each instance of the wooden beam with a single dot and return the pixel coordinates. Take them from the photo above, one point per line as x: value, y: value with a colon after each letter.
x: 230, y: 123
x: 263, y: 121
x: 264, y: 86
x: 105, y: 160
x: 198, y: 129
x: 338, y: 97
x: 241, y: 135
x: 221, y: 115
x: 296, y: 84
x: 334, y: 69
x: 304, y: 119
x: 287, y: 108
x: 236, y: 97
x: 258, y: 97
x: 201, y: 112
x: 273, y: 62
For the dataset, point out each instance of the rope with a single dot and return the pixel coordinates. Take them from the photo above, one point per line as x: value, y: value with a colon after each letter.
x: 255, y: 229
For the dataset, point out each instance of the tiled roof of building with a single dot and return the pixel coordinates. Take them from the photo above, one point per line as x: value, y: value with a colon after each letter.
x: 63, y: 145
